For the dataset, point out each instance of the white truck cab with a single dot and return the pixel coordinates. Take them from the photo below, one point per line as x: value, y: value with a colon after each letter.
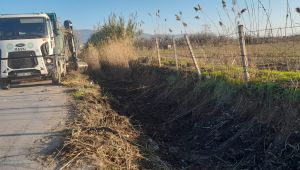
x: 34, y: 45
x: 27, y: 42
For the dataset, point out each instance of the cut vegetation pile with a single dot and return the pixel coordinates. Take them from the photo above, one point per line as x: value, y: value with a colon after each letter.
x: 101, y: 138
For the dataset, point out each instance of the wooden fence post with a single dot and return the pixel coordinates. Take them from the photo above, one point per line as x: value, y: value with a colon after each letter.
x: 175, y: 53
x: 158, y: 51
x: 243, y: 53
x: 192, y: 54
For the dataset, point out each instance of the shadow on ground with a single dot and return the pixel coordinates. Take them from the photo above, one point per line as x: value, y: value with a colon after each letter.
x: 208, y: 124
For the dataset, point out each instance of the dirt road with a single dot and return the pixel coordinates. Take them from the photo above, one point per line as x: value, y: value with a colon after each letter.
x: 32, y: 116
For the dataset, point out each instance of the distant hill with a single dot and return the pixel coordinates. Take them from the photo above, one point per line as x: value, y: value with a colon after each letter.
x: 146, y: 36
x: 84, y: 35
x: 150, y: 36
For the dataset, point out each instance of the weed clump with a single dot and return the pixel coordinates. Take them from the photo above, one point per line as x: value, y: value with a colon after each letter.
x: 114, y: 28
x: 111, y: 48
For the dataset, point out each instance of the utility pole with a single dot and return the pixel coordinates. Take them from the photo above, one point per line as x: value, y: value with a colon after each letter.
x: 206, y: 29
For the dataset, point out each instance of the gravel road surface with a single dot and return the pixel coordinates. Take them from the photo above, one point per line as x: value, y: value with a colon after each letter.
x: 32, y: 117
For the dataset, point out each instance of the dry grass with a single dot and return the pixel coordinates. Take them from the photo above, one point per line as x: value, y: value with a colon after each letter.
x: 114, y: 52
x: 112, y: 57
x: 91, y: 56
x: 117, y: 53
x: 75, y: 80
x: 100, y: 138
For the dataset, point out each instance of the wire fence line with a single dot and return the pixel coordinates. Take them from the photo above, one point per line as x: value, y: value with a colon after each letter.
x: 276, y: 49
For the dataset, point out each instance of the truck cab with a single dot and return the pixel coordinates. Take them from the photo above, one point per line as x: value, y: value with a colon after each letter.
x: 29, y: 46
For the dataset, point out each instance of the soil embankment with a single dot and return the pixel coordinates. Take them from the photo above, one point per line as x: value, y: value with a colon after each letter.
x: 212, y: 123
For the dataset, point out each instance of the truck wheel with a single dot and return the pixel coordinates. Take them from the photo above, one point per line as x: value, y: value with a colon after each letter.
x: 56, y: 76
x: 5, y: 84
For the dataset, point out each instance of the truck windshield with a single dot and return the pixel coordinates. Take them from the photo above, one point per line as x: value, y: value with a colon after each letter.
x: 22, y: 28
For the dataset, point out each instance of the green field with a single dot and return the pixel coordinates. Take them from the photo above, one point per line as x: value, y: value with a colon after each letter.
x: 268, y: 62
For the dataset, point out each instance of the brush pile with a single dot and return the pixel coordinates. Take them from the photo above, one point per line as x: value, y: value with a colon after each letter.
x: 100, y: 138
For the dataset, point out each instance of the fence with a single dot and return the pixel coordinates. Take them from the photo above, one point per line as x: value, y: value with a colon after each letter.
x: 255, y: 55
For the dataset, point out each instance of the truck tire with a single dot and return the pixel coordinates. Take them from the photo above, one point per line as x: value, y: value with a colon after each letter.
x: 5, y: 84
x: 56, y: 75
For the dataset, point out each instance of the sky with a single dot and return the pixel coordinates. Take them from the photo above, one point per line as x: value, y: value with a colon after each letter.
x: 87, y: 14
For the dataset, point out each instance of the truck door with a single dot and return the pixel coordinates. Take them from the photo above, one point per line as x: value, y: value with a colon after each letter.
x: 52, y: 40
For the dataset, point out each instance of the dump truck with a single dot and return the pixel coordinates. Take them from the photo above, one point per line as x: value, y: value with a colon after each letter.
x: 36, y: 46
